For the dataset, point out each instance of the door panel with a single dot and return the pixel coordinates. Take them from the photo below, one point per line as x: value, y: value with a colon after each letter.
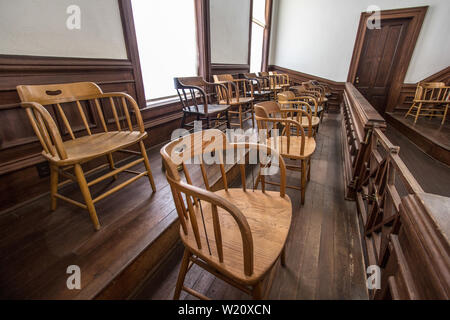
x: 379, y: 57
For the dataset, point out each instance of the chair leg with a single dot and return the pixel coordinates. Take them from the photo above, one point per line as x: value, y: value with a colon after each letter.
x: 86, y: 195
x: 183, y: 120
x: 257, y: 292
x: 444, y: 115
x: 53, y: 186
x: 303, y: 181
x: 182, y: 274
x: 410, y: 110
x: 309, y: 169
x: 240, y: 117
x: 253, y: 115
x: 111, y: 164
x: 228, y: 119
x: 147, y: 165
x: 418, y: 113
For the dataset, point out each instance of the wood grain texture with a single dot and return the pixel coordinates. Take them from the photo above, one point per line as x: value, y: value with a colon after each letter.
x: 323, y: 256
x: 297, y: 77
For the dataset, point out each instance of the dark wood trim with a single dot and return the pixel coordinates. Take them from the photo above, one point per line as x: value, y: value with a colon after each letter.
x: 429, y: 144
x: 417, y: 15
x: 250, y: 27
x: 297, y: 77
x: 441, y: 76
x: 202, y: 16
x: 129, y: 30
x: 408, y: 90
x: 221, y: 68
x: 267, y: 33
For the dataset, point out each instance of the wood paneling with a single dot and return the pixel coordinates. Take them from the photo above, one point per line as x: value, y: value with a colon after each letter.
x: 407, y: 90
x: 417, y: 15
x: 224, y: 68
x: 19, y: 148
x: 297, y: 77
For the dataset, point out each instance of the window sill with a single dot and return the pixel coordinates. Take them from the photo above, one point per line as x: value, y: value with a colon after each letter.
x: 161, y: 102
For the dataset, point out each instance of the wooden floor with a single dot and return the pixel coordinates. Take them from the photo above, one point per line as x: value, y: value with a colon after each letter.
x: 37, y: 245
x: 432, y: 175
x: 324, y: 256
x: 429, y: 135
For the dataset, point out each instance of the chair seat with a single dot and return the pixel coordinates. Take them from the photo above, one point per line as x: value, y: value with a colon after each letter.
x: 234, y: 101
x: 305, y: 122
x: 89, y: 147
x: 294, y: 149
x: 212, y: 109
x: 269, y: 217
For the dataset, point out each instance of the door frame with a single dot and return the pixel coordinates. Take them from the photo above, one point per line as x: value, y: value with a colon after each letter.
x: 417, y: 15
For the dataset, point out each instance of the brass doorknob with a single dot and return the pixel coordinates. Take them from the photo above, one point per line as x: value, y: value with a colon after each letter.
x: 357, y: 80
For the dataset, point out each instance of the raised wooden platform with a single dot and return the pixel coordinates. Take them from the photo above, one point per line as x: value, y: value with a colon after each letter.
x: 138, y: 229
x: 428, y: 134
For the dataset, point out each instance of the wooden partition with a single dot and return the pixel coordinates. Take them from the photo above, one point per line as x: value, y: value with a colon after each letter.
x: 401, y: 232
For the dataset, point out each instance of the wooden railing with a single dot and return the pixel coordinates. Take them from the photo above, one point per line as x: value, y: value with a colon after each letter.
x: 379, y: 181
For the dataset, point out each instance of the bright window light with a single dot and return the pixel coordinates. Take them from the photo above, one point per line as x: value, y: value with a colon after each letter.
x: 166, y: 36
x: 258, y: 25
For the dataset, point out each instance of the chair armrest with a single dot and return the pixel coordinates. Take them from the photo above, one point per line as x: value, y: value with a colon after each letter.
x: 133, y: 103
x: 238, y: 216
x: 45, y: 128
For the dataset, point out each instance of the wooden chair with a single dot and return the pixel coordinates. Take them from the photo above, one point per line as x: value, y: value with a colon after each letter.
x: 282, y: 79
x: 288, y: 100
x: 239, y: 93
x: 202, y: 103
x: 272, y: 83
x: 431, y: 99
x: 305, y: 90
x: 79, y: 102
x: 297, y: 146
x: 261, y: 90
x: 236, y: 234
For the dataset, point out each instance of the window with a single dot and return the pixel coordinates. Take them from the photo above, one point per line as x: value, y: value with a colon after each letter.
x: 258, y: 26
x: 166, y: 37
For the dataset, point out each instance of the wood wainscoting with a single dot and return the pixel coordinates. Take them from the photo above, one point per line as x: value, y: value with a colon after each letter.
x: 296, y: 77
x: 404, y: 230
x: 408, y: 90
x: 224, y: 68
x: 23, y: 171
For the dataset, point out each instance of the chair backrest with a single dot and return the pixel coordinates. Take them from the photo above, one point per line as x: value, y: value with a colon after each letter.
x: 269, y: 114
x: 432, y: 91
x: 75, y: 109
x: 191, y: 200
x: 236, y: 88
x: 192, y: 93
x: 309, y: 103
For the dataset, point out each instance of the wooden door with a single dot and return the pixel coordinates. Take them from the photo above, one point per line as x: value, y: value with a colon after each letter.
x: 379, y: 57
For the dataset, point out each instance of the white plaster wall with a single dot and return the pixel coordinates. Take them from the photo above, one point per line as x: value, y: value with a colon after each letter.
x: 317, y: 37
x: 38, y: 28
x: 229, y: 31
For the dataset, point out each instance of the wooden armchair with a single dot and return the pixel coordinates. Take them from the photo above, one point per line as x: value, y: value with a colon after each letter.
x: 295, y: 146
x: 261, y: 88
x: 236, y: 234
x: 305, y: 90
x: 240, y: 95
x: 288, y: 100
x: 198, y: 98
x: 49, y: 108
x: 431, y: 99
x: 282, y: 79
x: 272, y: 83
